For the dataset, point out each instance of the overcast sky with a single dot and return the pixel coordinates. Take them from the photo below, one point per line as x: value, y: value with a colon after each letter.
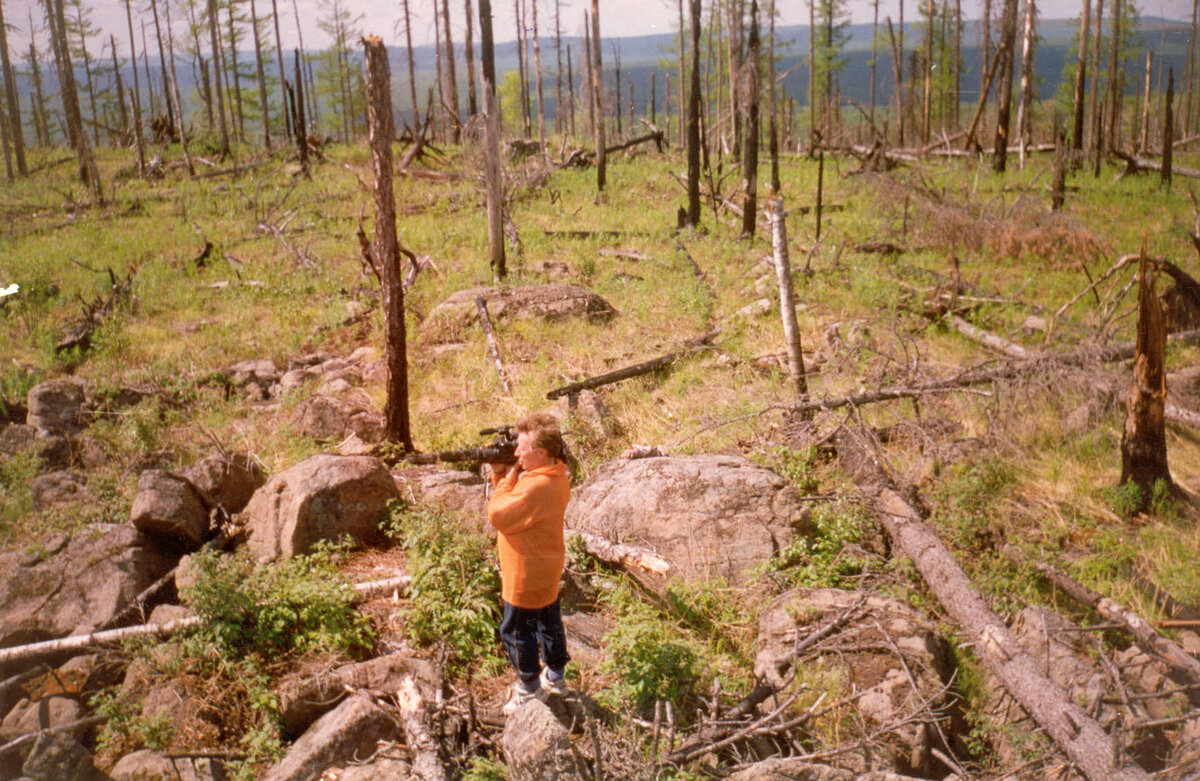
x: 617, y: 17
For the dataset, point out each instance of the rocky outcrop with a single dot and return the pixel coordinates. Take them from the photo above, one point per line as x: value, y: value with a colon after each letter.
x: 56, y: 407
x: 30, y: 716
x: 691, y: 510
x: 73, y: 585
x: 350, y: 731
x: 335, y: 418
x: 230, y: 479
x: 254, y: 377
x: 457, y: 490
x: 152, y: 766
x: 450, y: 319
x: 323, y: 497
x: 537, y: 747
x: 58, y: 487
x: 171, y: 510
x: 882, y: 654
x: 59, y: 757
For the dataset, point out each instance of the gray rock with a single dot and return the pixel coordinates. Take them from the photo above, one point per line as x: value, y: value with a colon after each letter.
x: 72, y: 585
x: 800, y: 770
x: 149, y: 765
x: 381, y: 768
x: 171, y: 510
x: 58, y: 487
x: 691, y: 510
x: 323, y: 497
x: 536, y: 746
x: 27, y: 716
x: 332, y: 417
x: 57, y: 407
x: 59, y: 757
x: 350, y: 731
x: 303, y: 700
x: 255, y: 376
x: 457, y: 314
x: 17, y: 438
x: 457, y: 490
x: 229, y: 479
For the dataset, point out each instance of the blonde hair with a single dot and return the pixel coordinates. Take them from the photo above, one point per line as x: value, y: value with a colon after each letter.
x: 546, y: 434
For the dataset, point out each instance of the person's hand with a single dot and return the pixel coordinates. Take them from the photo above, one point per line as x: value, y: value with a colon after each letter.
x: 514, y: 471
x: 499, y: 469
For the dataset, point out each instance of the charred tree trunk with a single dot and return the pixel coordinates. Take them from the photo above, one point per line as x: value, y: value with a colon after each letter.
x: 1114, y: 88
x: 412, y: 71
x: 262, y: 77
x: 750, y: 144
x: 571, y: 89
x: 1006, y: 53
x: 10, y: 92
x: 183, y: 142
x: 1059, y: 184
x: 299, y: 121
x: 1094, y: 95
x: 38, y: 108
x: 1168, y: 137
x: 387, y: 247
x: 451, y: 77
x: 1144, y: 442
x: 598, y: 99
x: 213, y: 22
x: 537, y: 75
x: 683, y: 77
x: 112, y: 43
x: 70, y: 97
x: 287, y: 120
x: 1081, y: 76
x: 773, y: 132
x: 495, y: 187
x: 469, y: 51
x: 693, y: 122
x: 162, y: 61
x: 587, y: 72
x: 927, y: 96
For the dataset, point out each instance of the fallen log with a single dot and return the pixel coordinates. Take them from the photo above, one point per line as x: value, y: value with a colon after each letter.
x: 599, y: 234
x: 621, y: 553
x: 635, y: 370
x: 1136, y: 165
x: 1076, y: 733
x: 1163, y: 647
x: 657, y: 138
x: 485, y: 322
x: 418, y: 733
x: 78, y: 643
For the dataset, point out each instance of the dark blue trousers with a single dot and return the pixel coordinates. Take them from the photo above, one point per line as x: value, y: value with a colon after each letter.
x: 525, y: 632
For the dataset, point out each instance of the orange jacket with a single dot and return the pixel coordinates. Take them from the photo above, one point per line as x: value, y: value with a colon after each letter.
x: 528, y: 514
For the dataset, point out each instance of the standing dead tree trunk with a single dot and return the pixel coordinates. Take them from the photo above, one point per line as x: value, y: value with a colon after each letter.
x: 537, y: 75
x: 693, y: 122
x: 598, y: 99
x: 469, y: 50
x: 387, y: 247
x: 1081, y: 77
x: 495, y: 194
x: 70, y: 97
x: 1075, y: 732
x: 1007, y: 54
x: 183, y: 142
x: 1168, y: 136
x: 216, y: 63
x: 451, y: 78
x: 1144, y: 441
x: 10, y: 91
x: 787, y: 300
x: 750, y: 100
x: 287, y: 121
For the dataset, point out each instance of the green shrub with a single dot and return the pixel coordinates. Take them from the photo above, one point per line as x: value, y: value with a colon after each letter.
x: 485, y: 769
x: 127, y: 729
x: 965, y: 505
x: 16, y: 500
x: 300, y: 604
x: 455, y: 590
x: 822, y: 561
x: 650, y: 657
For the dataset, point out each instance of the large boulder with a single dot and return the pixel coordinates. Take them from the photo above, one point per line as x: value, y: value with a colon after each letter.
x: 322, y: 498
x: 149, y: 765
x: 59, y: 757
x: 350, y: 731
x: 304, y: 698
x: 886, y: 649
x: 794, y: 769
x: 334, y: 417
x: 254, y: 377
x: 73, y: 585
x: 457, y: 490
x: 171, y: 510
x: 536, y: 746
x: 456, y: 315
x: 710, y: 516
x: 29, y: 716
x: 57, y: 407
x: 230, y: 479
x: 57, y: 487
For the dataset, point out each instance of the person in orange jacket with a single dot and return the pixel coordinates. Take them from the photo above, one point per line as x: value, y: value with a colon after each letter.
x: 527, y: 506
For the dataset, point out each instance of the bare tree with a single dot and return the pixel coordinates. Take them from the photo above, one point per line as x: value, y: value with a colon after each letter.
x: 1094, y: 95
x: 750, y: 146
x: 262, y: 78
x: 1081, y: 76
x: 386, y: 248
x: 10, y: 91
x: 112, y: 44
x: 213, y: 23
x: 693, y: 122
x: 773, y: 134
x: 571, y: 89
x: 1007, y: 53
x: 537, y: 72
x: 492, y: 173
x: 41, y: 126
x: 162, y: 60
x: 1144, y: 440
x: 558, y: 73
x: 451, y: 78
x: 1028, y: 84
x: 179, y: 124
x: 598, y: 98
x: 469, y: 50
x: 522, y: 66
x: 412, y: 71
x: 146, y: 71
x: 1115, y: 79
x: 70, y: 97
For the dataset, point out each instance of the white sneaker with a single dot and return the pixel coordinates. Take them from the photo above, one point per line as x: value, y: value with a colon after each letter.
x: 520, y: 695
x: 553, y: 681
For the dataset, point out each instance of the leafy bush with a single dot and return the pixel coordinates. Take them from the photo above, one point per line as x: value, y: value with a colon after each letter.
x: 651, y: 659
x: 821, y: 561
x: 965, y: 505
x: 16, y: 500
x: 301, y: 604
x: 127, y: 729
x: 455, y: 589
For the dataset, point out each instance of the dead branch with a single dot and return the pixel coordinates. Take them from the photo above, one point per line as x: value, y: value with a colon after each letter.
x: 1077, y: 733
x: 79, y: 335
x: 418, y: 733
x: 635, y: 370
x: 485, y: 322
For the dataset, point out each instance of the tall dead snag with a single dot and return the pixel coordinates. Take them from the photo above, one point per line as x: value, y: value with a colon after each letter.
x: 1081, y: 77
x: 1144, y: 442
x: 1168, y: 135
x: 10, y: 91
x: 598, y: 99
x: 693, y: 122
x: 1058, y: 185
x: 70, y: 98
x: 1007, y: 53
x: 491, y: 165
x: 387, y: 246
x: 1076, y: 733
x: 750, y: 144
x: 787, y: 300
